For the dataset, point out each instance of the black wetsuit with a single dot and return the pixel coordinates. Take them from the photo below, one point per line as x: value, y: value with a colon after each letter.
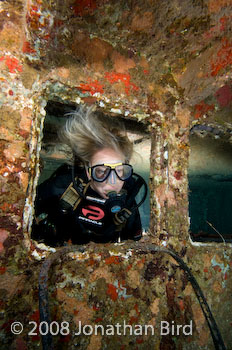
x: 90, y: 221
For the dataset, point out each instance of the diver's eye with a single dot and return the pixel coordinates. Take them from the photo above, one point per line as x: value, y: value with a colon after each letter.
x: 100, y: 172
x: 124, y: 171
x: 120, y: 170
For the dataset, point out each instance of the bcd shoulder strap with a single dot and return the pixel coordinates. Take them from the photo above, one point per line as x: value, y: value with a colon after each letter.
x: 71, y: 196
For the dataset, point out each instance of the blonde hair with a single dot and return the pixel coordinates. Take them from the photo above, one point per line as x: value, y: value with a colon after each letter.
x: 87, y: 132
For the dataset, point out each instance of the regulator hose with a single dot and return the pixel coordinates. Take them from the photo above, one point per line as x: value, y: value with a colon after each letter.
x: 140, y: 249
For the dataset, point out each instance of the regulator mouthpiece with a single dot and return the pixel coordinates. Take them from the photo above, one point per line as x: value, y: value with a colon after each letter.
x: 116, y: 201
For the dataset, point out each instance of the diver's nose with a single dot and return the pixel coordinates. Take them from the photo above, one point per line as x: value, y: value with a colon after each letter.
x: 112, y: 179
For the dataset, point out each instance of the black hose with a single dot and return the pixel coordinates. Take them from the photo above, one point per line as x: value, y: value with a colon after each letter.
x: 43, y: 289
x: 215, y: 333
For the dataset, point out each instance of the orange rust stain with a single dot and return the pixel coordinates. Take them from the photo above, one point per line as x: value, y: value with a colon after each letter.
x: 65, y: 338
x: 47, y: 37
x: 141, y: 261
x: 92, y: 87
x: 27, y: 47
x: 35, y: 316
x: 136, y: 309
x: 95, y: 308
x: 112, y: 260
x: 215, y: 6
x: 33, y: 17
x: 181, y: 304
x: 217, y: 268
x: 6, y: 207
x: 201, y: 109
x: 223, y: 59
x: 113, y: 78
x: 91, y: 262
x: 178, y: 175
x: 220, y: 27
x: 112, y: 292
x: 133, y: 319
x: 224, y: 20
x: 58, y: 23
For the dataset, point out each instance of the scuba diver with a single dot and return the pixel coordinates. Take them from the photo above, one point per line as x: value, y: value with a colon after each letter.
x: 94, y: 198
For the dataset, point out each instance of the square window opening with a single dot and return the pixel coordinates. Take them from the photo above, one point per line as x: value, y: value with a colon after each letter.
x: 210, y: 185
x: 55, y: 153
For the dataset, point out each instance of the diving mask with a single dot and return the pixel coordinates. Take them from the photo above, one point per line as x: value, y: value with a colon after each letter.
x: 101, y: 172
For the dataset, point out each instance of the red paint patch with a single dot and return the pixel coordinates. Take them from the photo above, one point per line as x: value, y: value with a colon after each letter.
x: 139, y: 340
x: 92, y: 87
x: 201, y: 109
x: 11, y: 93
x: 122, y: 78
x: 84, y: 7
x: 2, y: 270
x: 112, y: 292
x: 224, y: 96
x: 224, y: 58
x: 13, y: 64
x: 112, y: 260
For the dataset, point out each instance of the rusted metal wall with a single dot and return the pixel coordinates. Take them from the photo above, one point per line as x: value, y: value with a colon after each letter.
x: 165, y: 63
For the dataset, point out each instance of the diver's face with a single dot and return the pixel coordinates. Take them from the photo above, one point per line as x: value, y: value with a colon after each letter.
x: 112, y: 183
